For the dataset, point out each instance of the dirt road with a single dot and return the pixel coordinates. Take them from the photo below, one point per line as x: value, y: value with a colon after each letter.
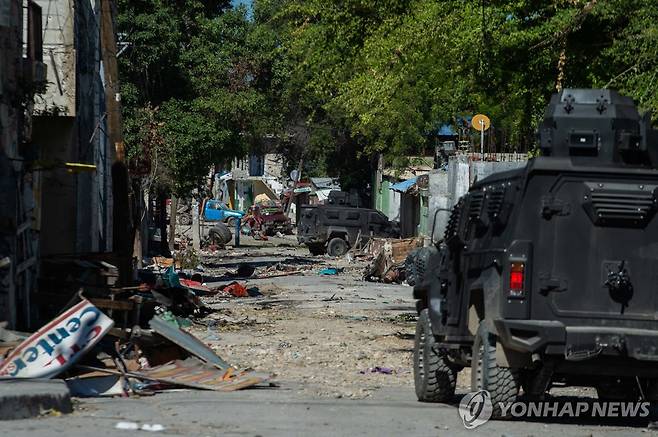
x: 341, y: 351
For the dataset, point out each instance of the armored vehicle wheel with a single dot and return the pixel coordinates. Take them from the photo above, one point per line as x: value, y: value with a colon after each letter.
x: 434, y: 377
x: 502, y: 383
x: 337, y: 247
x: 219, y: 234
x: 316, y: 249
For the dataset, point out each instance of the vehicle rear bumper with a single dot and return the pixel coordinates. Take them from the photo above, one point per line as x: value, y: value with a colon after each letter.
x: 577, y: 343
x: 309, y: 240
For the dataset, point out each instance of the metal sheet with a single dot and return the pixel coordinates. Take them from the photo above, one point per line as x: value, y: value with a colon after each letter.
x: 196, y: 374
x: 106, y: 385
x: 187, y: 341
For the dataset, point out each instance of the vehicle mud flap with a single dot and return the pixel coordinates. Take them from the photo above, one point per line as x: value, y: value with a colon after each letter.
x: 491, y: 295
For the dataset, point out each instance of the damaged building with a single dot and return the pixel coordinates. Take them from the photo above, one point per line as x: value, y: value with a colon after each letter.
x: 56, y: 146
x: 22, y: 75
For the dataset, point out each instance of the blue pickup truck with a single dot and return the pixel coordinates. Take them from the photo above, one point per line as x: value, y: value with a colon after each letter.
x: 217, y: 211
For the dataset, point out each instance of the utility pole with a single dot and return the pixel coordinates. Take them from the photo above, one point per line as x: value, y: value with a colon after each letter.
x: 122, y: 226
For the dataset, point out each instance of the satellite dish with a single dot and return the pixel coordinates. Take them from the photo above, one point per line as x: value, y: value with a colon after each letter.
x: 294, y: 175
x: 481, y: 122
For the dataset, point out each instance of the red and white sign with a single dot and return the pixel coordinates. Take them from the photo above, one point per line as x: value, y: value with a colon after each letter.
x: 59, y: 344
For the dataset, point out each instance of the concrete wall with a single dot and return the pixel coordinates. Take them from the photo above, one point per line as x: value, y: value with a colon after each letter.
x: 11, y: 19
x: 59, y: 54
x: 71, y: 127
x: 446, y: 188
x: 59, y: 192
x: 439, y: 198
x: 18, y: 242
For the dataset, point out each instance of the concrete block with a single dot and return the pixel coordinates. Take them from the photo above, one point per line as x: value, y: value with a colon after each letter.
x: 25, y: 398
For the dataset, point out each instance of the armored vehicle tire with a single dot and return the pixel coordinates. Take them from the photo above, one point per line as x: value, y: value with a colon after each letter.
x: 316, y: 249
x: 219, y: 234
x: 434, y: 377
x: 502, y: 383
x: 410, y: 267
x: 337, y: 247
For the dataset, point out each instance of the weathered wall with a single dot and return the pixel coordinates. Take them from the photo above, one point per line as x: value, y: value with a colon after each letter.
x: 439, y: 199
x: 71, y: 127
x: 10, y: 38
x: 18, y: 243
x: 59, y: 55
x: 59, y: 188
x: 447, y: 187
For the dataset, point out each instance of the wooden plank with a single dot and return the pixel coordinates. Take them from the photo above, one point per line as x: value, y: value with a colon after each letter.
x: 108, y: 304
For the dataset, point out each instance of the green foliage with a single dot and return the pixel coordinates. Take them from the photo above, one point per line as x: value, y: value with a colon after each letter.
x: 337, y: 81
x: 199, y: 73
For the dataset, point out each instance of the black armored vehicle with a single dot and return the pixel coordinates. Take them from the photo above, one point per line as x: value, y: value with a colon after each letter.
x: 333, y: 229
x: 548, y: 274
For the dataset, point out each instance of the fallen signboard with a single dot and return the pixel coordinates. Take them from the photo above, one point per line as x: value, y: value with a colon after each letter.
x: 59, y: 344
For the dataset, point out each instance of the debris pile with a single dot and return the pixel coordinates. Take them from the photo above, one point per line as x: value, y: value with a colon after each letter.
x: 388, y: 257
x: 130, y: 341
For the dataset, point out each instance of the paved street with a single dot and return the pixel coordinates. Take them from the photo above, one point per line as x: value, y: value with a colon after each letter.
x: 317, y: 334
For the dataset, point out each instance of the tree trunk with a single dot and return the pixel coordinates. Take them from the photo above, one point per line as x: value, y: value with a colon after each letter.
x: 172, y: 222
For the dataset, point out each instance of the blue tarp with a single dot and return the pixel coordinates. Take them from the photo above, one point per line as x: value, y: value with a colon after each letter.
x: 403, y: 186
x: 447, y: 131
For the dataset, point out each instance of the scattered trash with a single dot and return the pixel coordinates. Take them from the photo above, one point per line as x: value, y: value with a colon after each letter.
x: 134, y: 426
x: 181, y: 322
x: 59, y: 344
x: 156, y: 427
x: 357, y: 318
x: 332, y: 298
x: 196, y: 286
x: 330, y: 271
x: 388, y: 259
x: 194, y: 373
x: 245, y: 270
x: 236, y: 289
x: 382, y: 370
x: 161, y: 261
x: 276, y: 275
x: 406, y: 317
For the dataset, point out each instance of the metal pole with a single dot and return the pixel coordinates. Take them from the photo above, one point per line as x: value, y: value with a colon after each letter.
x: 482, y: 140
x: 238, y: 225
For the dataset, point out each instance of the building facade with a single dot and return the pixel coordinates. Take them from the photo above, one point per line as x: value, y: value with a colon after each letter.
x: 22, y: 75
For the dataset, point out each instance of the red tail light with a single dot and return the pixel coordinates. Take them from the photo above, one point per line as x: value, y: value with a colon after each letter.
x: 516, y: 279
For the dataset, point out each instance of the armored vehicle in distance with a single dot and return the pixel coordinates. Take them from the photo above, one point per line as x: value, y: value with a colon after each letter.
x: 333, y: 229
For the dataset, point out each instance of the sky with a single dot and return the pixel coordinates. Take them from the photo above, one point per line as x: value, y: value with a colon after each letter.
x: 241, y: 2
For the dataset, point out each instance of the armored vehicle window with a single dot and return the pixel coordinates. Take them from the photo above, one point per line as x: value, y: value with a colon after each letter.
x: 352, y: 215
x: 333, y: 214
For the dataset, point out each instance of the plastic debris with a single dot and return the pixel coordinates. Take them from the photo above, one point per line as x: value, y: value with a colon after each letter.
x: 377, y: 369
x: 330, y: 271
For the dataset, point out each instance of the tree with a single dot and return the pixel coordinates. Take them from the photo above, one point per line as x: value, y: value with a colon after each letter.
x: 204, y: 69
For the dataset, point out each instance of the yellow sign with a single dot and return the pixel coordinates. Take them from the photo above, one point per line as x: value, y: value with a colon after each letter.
x: 77, y: 167
x: 481, y: 122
